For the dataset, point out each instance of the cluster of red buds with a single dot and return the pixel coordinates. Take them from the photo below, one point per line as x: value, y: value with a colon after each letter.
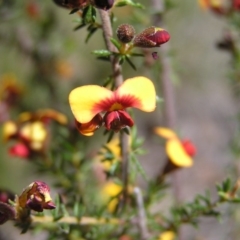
x: 149, y: 38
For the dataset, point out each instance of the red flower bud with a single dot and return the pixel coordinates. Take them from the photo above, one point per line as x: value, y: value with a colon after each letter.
x: 151, y: 37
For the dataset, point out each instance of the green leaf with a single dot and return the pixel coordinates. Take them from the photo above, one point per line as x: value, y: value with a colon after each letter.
x: 116, y: 43
x: 138, y: 166
x: 89, y: 15
x: 91, y: 30
x: 130, y: 63
x: 130, y: 3
x: 102, y: 53
x: 137, y: 54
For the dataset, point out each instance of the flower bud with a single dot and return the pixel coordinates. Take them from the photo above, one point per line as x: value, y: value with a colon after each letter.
x: 151, y: 37
x: 6, y: 213
x: 36, y: 197
x: 72, y: 4
x: 125, y: 33
x: 5, y: 195
x: 103, y: 4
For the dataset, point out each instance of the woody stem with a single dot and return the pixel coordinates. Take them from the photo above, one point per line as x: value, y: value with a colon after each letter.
x: 118, y: 80
x: 168, y: 89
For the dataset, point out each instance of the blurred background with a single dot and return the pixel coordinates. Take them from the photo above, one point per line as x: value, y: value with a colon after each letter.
x: 42, y: 53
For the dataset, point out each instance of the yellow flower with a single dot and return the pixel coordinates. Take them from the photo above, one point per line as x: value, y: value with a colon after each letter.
x: 88, y: 102
x: 110, y: 192
x: 215, y: 5
x: 168, y: 235
x: 31, y: 131
x: 179, y: 152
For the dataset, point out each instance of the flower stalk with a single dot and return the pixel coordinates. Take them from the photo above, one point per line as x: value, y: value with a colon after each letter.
x: 118, y: 80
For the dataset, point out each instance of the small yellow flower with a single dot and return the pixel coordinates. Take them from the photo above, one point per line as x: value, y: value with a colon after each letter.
x: 168, y: 235
x: 109, y: 192
x: 179, y: 152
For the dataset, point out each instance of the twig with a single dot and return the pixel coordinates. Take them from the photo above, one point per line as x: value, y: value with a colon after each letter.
x: 168, y: 90
x: 118, y: 80
x: 75, y: 221
x: 142, y: 223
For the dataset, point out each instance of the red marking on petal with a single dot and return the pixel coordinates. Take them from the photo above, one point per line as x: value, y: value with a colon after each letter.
x: 128, y: 101
x: 104, y: 105
x: 189, y: 147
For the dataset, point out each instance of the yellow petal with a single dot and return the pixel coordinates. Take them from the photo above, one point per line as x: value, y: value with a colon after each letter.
x: 83, y: 101
x: 112, y: 189
x: 139, y: 92
x: 52, y: 114
x: 165, y: 132
x: 9, y: 130
x: 35, y: 132
x: 168, y: 235
x: 25, y: 116
x: 177, y: 154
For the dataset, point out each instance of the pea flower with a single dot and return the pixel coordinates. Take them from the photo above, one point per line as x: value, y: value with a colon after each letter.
x: 167, y: 235
x: 36, y: 197
x: 110, y: 193
x: 89, y: 102
x: 179, y: 152
x: 216, y: 6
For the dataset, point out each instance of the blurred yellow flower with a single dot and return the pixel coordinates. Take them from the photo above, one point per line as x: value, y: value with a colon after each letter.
x: 110, y: 192
x: 168, y: 235
x: 179, y: 152
x: 31, y: 131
